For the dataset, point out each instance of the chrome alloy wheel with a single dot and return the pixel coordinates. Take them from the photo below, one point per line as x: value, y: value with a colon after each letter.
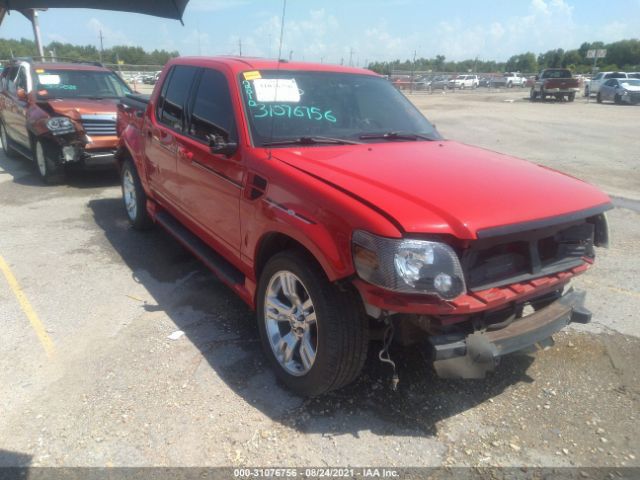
x: 290, y: 322
x: 41, y: 160
x: 129, y: 195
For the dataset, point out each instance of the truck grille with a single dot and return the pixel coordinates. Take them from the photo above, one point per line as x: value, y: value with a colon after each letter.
x: 99, y: 125
x: 499, y: 261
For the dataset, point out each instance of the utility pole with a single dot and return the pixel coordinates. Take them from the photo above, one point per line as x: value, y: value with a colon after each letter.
x: 240, y: 46
x: 351, y: 57
x: 290, y: 54
x: 101, y: 46
x: 413, y: 71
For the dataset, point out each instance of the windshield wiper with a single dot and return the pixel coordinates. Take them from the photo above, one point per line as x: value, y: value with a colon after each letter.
x: 311, y: 141
x: 395, y: 136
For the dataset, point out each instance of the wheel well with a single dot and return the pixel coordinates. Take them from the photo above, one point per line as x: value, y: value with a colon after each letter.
x: 274, y: 243
x: 122, y: 154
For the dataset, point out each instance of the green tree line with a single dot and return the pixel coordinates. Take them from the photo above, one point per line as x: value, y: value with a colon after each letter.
x: 127, y: 54
x: 621, y: 55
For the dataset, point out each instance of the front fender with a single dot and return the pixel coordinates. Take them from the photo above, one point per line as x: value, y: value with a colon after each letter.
x: 131, y: 144
x: 331, y: 248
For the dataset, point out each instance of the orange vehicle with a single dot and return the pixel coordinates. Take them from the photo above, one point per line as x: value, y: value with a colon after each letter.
x: 59, y: 114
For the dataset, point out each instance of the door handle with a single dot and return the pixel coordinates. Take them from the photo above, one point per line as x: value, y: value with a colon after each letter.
x: 183, y: 152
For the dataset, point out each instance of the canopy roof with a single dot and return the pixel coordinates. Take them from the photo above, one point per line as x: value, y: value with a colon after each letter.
x: 159, y: 8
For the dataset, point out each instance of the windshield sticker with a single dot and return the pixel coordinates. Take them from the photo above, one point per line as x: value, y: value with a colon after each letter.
x: 45, y: 79
x: 254, y: 75
x: 288, y: 111
x: 276, y: 90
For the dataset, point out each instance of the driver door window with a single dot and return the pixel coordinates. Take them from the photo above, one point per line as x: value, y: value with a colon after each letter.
x: 212, y: 112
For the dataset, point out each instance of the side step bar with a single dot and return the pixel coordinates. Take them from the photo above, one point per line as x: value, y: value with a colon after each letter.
x: 213, y: 260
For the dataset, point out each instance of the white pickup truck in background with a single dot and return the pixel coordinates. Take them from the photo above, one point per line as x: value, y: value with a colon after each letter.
x: 508, y: 80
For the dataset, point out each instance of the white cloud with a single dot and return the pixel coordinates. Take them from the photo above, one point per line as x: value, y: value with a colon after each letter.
x: 111, y: 37
x: 54, y: 37
x: 613, y: 31
x: 214, y: 5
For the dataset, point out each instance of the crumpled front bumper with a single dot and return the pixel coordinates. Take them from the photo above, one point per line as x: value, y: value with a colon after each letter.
x: 472, y: 356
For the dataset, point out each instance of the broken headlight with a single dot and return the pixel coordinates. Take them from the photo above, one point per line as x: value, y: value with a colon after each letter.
x: 60, y: 125
x: 408, y: 265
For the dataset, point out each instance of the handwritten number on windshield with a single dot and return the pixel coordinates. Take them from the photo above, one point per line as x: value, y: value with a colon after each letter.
x: 287, y: 111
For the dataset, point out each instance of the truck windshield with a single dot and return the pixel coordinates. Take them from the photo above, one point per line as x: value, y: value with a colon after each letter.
x: 284, y: 106
x: 78, y: 84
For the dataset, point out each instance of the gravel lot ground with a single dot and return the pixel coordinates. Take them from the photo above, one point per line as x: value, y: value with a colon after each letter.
x: 116, y: 391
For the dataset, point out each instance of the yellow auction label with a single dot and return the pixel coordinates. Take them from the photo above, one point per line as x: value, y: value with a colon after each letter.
x: 39, y: 70
x: 253, y: 75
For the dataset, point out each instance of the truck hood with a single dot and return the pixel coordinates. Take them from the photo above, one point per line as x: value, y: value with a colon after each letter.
x: 74, y: 108
x: 444, y: 187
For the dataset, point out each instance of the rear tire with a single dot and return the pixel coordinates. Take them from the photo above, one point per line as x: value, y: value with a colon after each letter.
x: 571, y: 97
x: 617, y: 99
x: 533, y: 95
x: 43, y: 154
x: 134, y: 197
x: 6, y: 142
x: 599, y: 98
x: 314, y: 334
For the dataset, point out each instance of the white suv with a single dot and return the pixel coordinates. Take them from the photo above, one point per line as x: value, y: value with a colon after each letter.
x: 464, y: 81
x: 593, y: 87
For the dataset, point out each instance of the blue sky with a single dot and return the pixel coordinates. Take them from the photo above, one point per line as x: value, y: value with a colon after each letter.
x: 363, y: 30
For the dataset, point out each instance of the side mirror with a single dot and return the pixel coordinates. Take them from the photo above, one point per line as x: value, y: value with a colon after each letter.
x: 221, y: 146
x: 21, y: 94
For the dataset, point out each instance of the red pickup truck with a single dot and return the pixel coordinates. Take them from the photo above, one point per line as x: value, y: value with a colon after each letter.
x: 555, y: 82
x: 331, y: 206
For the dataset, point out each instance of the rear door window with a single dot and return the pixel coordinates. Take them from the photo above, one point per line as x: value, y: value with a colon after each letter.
x: 173, y: 98
x: 212, y: 111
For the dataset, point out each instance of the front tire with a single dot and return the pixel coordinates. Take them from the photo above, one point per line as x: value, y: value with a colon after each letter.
x: 599, y: 98
x: 6, y: 142
x: 571, y: 97
x: 617, y: 99
x: 533, y: 95
x: 134, y: 197
x: 48, y: 170
x: 314, y: 334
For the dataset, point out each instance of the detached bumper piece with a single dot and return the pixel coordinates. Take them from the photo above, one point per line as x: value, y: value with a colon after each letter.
x: 472, y: 356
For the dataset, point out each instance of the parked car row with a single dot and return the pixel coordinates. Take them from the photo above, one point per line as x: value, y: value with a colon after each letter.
x: 592, y: 87
x: 460, y: 82
x: 324, y: 199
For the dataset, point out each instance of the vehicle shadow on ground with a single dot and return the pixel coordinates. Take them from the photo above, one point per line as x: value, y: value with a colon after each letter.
x: 9, y: 459
x: 24, y: 172
x: 224, y: 330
